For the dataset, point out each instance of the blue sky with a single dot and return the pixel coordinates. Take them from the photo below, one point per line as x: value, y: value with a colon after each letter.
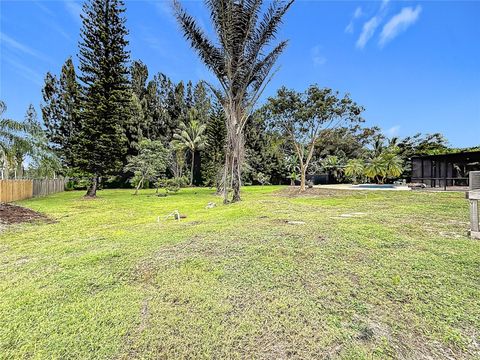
x: 414, y: 65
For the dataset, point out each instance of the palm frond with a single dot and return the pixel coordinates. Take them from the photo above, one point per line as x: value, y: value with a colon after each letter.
x: 208, y: 52
x: 267, y: 27
x: 263, y: 67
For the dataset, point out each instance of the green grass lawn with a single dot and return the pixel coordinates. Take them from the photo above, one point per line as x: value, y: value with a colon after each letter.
x: 369, y: 275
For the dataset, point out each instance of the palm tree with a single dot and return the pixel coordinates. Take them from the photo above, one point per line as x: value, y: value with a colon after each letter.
x: 375, y: 169
x: 393, y: 164
x: 378, y: 145
x: 190, y: 137
x: 10, y: 139
x: 241, y: 64
x: 355, y: 169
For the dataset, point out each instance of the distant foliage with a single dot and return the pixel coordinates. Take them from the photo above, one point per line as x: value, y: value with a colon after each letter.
x: 172, y: 185
x: 355, y: 169
x: 213, y: 157
x: 149, y: 164
x: 98, y: 118
x: 302, y: 117
x: 22, y: 140
x: 190, y: 136
x: 334, y: 166
x: 387, y: 164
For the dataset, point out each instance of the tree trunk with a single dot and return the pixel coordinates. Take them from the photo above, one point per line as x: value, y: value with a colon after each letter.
x: 226, y: 171
x: 237, y: 181
x: 232, y: 176
x: 92, y: 189
x: 303, y: 177
x: 140, y: 183
x: 237, y: 167
x: 191, y: 169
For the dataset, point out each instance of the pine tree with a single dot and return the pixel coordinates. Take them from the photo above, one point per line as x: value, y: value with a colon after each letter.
x: 157, y: 96
x: 138, y: 122
x: 201, y: 102
x: 189, y: 95
x: 106, y: 89
x: 214, y: 155
x: 61, y: 113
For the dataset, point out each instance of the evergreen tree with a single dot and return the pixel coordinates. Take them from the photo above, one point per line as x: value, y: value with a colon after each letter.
x: 265, y: 152
x: 201, y: 102
x: 61, y: 113
x: 178, y: 109
x: 139, y: 76
x: 189, y: 95
x: 138, y: 121
x: 214, y: 155
x: 158, y: 93
x: 106, y: 97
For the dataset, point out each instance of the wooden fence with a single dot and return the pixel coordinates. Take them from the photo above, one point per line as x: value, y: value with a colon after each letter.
x: 46, y: 187
x: 13, y: 190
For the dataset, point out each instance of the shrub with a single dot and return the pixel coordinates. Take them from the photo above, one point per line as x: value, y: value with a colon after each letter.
x: 172, y: 185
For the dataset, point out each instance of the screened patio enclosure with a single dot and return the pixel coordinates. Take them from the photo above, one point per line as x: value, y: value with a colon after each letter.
x: 446, y: 170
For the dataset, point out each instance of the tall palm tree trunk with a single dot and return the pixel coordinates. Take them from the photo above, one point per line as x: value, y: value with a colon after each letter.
x: 192, y: 167
x: 236, y: 177
x: 233, y: 156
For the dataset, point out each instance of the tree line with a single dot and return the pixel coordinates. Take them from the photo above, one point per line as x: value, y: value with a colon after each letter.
x: 112, y: 122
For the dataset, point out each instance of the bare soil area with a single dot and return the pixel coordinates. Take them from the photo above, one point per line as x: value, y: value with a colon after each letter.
x: 13, y: 214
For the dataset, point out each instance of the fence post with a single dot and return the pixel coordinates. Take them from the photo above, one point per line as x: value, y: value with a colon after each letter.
x: 474, y: 198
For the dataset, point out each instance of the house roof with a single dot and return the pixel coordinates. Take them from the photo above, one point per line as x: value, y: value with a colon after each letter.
x: 458, y: 156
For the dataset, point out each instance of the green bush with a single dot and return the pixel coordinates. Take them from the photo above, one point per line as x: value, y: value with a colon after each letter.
x: 172, y: 185
x: 70, y: 186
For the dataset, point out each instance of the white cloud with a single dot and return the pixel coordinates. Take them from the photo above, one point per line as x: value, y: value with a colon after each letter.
x: 367, y: 31
x: 24, y: 70
x: 384, y: 4
x: 45, y: 9
x: 58, y: 29
x: 19, y: 47
x: 164, y: 9
x: 399, y: 23
x: 350, y: 27
x: 358, y: 12
x: 317, y: 57
x: 393, y: 131
x: 75, y: 9
x: 154, y: 41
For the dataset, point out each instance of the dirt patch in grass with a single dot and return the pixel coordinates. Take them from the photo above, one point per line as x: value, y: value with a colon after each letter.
x: 294, y: 191
x: 12, y: 214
